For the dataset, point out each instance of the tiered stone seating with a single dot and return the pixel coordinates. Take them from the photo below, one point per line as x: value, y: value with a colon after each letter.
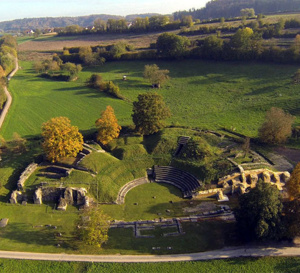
x: 127, y: 187
x: 183, y: 140
x: 185, y: 181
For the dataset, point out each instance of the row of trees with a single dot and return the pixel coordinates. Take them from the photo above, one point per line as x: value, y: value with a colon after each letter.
x: 96, y: 82
x: 56, y: 69
x: 244, y: 44
x: 138, y: 25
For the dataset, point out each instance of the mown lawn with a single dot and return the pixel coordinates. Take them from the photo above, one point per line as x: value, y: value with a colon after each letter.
x: 200, y: 94
x: 245, y: 265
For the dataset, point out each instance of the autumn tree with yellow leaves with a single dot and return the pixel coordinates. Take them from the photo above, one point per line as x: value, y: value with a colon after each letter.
x: 293, y: 185
x: 107, y: 125
x: 61, y: 139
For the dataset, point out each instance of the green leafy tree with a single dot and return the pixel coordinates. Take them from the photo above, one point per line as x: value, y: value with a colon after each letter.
x: 18, y: 143
x: 93, y: 227
x: 187, y: 20
x: 155, y: 75
x: 72, y: 69
x: 100, y: 25
x: 259, y: 213
x: 277, y: 126
x: 60, y: 139
x: 292, y: 218
x: 171, y: 45
x: 212, y: 47
x: 149, y: 113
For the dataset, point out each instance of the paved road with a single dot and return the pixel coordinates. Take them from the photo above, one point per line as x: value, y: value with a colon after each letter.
x: 216, y: 254
x: 9, y: 98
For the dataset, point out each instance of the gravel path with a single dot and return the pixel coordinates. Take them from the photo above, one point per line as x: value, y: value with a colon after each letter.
x: 210, y: 255
x: 9, y: 98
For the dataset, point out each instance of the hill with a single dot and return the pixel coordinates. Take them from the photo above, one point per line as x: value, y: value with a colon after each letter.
x: 232, y: 8
x: 52, y: 22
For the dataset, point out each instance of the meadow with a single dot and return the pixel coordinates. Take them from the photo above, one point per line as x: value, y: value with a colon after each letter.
x: 245, y: 265
x: 208, y: 95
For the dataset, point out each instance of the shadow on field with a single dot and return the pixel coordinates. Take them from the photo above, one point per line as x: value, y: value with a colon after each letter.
x: 263, y: 90
x: 79, y: 90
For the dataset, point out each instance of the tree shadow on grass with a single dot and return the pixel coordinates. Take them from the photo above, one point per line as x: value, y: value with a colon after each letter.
x: 39, y: 235
x: 151, y: 141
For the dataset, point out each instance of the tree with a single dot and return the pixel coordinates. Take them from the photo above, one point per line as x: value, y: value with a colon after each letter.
x: 72, y: 69
x: 155, y: 75
x: 277, y: 126
x: 18, y: 143
x: 293, y: 185
x: 2, y: 72
x: 259, y: 213
x: 242, y: 38
x: 187, y: 20
x: 149, y: 113
x: 61, y: 139
x: 292, y: 218
x: 171, y: 45
x: 248, y: 12
x: 93, y: 226
x: 212, y: 48
x: 107, y: 125
x: 100, y: 25
x: 118, y: 49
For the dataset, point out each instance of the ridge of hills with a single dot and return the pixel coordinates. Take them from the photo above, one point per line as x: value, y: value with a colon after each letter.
x: 52, y: 22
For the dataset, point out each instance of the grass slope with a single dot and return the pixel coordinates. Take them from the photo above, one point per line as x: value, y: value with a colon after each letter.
x: 202, y: 94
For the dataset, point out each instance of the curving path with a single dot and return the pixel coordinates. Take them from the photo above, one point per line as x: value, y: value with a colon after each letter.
x: 8, y: 95
x: 210, y: 255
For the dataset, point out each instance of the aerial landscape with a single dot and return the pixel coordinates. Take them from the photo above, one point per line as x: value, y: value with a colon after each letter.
x: 150, y: 136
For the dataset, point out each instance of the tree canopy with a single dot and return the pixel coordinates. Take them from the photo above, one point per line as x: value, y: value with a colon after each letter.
x: 259, y: 213
x: 293, y: 185
x: 61, y: 139
x: 93, y: 226
x: 277, y: 126
x: 171, y: 45
x: 107, y: 125
x: 155, y: 75
x: 149, y: 113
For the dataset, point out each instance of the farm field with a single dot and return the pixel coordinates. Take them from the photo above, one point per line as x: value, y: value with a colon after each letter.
x: 208, y: 95
x: 55, y: 43
x: 246, y: 265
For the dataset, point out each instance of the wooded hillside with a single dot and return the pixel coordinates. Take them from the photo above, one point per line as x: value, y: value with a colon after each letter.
x: 232, y: 8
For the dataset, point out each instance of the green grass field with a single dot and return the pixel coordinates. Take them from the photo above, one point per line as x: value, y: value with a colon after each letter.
x: 200, y: 94
x: 245, y: 265
x: 36, y: 100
